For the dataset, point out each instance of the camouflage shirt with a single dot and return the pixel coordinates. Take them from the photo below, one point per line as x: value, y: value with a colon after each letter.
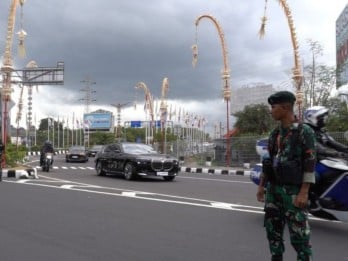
x: 280, y: 141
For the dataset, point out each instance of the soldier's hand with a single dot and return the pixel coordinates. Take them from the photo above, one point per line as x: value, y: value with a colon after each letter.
x: 260, y: 195
x: 301, y: 200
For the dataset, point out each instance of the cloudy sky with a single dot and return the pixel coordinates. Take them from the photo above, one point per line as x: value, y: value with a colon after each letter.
x: 118, y: 43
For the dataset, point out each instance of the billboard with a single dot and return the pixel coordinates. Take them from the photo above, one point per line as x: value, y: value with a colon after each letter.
x: 97, y: 121
x: 143, y: 124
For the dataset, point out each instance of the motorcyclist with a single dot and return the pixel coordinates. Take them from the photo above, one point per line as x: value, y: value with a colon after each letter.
x: 46, y: 148
x: 316, y: 117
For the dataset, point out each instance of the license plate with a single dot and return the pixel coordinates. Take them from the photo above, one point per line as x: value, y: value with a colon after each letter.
x: 162, y: 173
x: 75, y: 157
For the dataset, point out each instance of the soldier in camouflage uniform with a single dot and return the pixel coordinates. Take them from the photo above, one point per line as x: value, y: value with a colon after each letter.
x: 287, y: 174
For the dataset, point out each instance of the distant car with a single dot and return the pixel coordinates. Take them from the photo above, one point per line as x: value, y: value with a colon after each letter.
x: 94, y: 150
x: 134, y: 160
x: 76, y: 154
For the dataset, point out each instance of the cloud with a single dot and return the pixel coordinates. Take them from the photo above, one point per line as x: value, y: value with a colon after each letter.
x: 119, y: 43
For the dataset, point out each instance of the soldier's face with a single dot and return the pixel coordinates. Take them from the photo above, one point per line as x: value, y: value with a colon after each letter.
x: 278, y: 111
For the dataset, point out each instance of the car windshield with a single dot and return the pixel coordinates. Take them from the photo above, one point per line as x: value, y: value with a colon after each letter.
x: 77, y: 149
x: 97, y: 147
x: 138, y: 149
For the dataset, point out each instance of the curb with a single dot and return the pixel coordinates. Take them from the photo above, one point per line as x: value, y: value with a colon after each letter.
x: 218, y: 171
x: 37, y: 153
x: 20, y: 173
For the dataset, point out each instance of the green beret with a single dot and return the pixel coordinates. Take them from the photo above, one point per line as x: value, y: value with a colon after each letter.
x: 282, y: 97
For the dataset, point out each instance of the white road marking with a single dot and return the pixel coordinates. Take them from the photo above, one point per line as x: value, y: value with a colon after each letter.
x: 129, y: 194
x: 118, y: 192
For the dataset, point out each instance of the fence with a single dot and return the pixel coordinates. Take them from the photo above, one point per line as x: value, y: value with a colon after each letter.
x: 243, y: 149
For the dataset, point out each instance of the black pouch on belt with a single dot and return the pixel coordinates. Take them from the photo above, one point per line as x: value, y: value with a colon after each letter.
x: 290, y: 172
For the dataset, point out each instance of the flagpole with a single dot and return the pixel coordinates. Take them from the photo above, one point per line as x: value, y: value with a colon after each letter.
x: 35, y: 128
x: 63, y: 134
x: 73, y: 129
x: 58, y: 133
x: 67, y: 132
x: 48, y: 128
x: 53, y: 134
x: 80, y: 126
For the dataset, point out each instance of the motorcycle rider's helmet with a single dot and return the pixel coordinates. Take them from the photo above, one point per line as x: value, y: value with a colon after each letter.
x: 316, y: 116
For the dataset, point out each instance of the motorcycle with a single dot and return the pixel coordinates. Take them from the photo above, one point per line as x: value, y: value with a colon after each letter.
x: 47, y: 162
x: 328, y: 197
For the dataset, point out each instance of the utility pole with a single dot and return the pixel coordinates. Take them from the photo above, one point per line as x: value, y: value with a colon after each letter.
x: 88, y: 100
x: 88, y: 93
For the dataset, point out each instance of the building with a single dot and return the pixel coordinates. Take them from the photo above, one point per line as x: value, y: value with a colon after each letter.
x: 342, y: 47
x: 250, y: 94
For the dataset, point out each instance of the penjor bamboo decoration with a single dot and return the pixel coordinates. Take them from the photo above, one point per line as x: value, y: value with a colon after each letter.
x: 297, y: 70
x: 225, y: 75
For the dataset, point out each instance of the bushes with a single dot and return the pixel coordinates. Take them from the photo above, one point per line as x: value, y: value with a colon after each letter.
x: 14, y: 155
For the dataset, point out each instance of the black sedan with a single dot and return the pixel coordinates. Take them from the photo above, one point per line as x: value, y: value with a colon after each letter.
x: 134, y: 160
x: 94, y: 150
x: 76, y: 154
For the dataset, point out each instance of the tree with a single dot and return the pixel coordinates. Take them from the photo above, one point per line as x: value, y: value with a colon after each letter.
x: 319, y: 80
x: 101, y: 138
x: 254, y: 119
x: 338, y: 117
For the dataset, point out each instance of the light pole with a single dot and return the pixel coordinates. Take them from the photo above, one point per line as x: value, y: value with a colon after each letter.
x: 225, y: 76
x: 297, y: 75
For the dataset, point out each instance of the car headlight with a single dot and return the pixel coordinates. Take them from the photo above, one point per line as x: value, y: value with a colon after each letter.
x: 142, y: 162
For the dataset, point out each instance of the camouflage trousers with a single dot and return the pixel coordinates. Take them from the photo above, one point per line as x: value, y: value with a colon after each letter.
x: 280, y: 210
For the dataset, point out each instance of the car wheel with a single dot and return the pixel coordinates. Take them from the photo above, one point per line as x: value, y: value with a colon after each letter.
x: 129, y: 172
x: 169, y: 178
x: 99, y: 169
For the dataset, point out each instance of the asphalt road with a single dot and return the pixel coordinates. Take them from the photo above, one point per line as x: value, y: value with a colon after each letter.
x: 72, y: 214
